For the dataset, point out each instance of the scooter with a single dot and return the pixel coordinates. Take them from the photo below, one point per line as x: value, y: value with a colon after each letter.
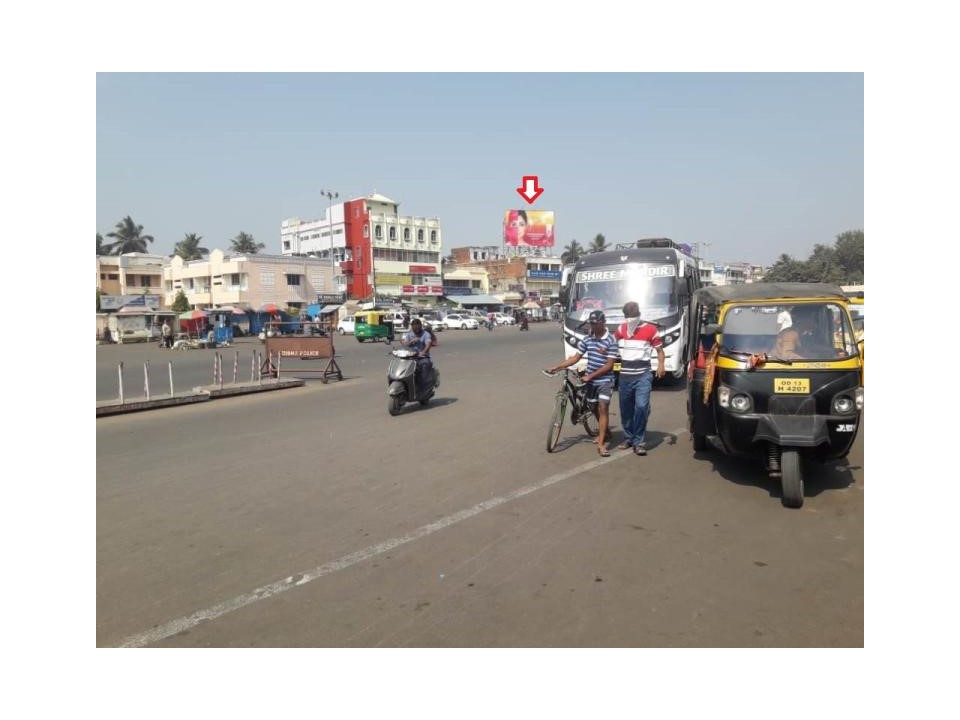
x: 402, y: 381
x: 524, y: 323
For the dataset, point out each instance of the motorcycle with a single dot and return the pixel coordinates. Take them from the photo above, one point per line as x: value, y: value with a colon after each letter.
x: 524, y: 323
x: 402, y: 381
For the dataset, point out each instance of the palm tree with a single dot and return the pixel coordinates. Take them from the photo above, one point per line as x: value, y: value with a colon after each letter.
x: 128, y: 237
x: 244, y: 243
x: 572, y: 252
x: 189, y: 248
x: 101, y: 250
x: 598, y: 244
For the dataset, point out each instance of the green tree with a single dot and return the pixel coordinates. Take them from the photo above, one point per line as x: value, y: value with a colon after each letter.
x: 244, y: 243
x: 128, y: 237
x: 180, y: 302
x: 786, y: 269
x: 849, y: 255
x: 189, y: 248
x: 101, y: 250
x: 572, y: 252
x: 99, y: 293
x: 598, y: 244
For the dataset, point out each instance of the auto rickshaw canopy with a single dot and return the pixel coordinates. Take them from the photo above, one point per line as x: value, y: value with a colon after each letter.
x: 769, y: 291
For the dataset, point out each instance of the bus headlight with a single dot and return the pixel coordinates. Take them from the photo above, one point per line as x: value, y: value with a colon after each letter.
x: 670, y: 338
x: 571, y: 340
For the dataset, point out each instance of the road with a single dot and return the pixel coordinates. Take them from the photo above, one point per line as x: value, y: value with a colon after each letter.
x: 310, y: 517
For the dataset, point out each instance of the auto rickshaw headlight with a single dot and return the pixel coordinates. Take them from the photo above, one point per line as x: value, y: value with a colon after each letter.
x: 843, y: 404
x: 859, y: 395
x: 723, y: 396
x: 741, y: 403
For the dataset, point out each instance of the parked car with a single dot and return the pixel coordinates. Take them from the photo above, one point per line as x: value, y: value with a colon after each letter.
x: 347, y: 325
x: 461, y: 321
x: 433, y: 320
x: 503, y: 319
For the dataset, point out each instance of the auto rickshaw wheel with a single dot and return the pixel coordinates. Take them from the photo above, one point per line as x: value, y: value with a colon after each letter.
x: 394, y: 404
x: 700, y: 443
x: 791, y: 481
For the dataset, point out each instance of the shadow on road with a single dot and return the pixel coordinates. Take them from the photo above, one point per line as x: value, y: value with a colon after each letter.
x: 817, y: 477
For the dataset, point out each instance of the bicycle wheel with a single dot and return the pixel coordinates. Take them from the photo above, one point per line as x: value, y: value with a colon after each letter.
x: 556, y: 422
x: 590, y: 422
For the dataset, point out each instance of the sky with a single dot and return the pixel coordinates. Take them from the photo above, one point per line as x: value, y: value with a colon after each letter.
x: 747, y: 165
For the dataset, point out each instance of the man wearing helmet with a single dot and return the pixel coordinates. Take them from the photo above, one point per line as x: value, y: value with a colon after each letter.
x: 637, y: 341
x: 601, y: 351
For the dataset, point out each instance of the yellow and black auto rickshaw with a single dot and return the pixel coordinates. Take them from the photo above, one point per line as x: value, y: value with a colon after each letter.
x: 373, y: 325
x: 774, y: 372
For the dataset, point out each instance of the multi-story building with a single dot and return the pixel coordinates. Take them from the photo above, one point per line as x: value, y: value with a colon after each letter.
x: 374, y: 248
x: 249, y: 280
x: 128, y: 275
x: 515, y: 278
x: 465, y: 280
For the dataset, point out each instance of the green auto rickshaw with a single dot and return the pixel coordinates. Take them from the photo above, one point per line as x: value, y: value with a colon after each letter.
x: 373, y: 325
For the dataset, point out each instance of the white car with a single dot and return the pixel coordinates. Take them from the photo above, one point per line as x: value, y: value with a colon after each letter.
x: 463, y: 322
x: 503, y: 319
x: 347, y: 325
x: 434, y: 321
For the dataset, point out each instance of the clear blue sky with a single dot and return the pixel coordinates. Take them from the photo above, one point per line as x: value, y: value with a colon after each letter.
x: 754, y: 164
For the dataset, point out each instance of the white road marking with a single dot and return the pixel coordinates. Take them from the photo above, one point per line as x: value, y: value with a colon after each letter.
x: 262, y: 593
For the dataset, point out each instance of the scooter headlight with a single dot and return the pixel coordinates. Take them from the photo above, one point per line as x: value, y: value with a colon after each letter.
x: 843, y: 405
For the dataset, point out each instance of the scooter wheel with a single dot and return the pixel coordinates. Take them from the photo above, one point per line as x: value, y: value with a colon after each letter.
x: 394, y: 403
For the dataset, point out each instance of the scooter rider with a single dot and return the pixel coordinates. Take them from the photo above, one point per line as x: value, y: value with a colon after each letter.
x: 420, y: 340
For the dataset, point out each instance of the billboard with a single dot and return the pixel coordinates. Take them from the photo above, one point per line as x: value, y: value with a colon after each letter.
x: 528, y: 228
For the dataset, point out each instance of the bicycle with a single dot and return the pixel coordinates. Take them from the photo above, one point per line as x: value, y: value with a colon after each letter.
x: 573, y: 393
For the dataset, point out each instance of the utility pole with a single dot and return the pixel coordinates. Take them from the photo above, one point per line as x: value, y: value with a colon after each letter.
x: 330, y: 195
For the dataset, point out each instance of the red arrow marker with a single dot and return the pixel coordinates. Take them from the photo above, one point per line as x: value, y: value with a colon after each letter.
x: 529, y: 191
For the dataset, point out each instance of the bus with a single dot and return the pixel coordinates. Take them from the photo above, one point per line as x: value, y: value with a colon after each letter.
x: 656, y: 273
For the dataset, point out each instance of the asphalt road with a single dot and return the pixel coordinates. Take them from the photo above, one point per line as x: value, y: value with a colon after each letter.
x: 310, y: 517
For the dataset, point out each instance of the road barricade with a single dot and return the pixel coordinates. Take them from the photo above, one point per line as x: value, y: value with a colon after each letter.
x: 283, y: 351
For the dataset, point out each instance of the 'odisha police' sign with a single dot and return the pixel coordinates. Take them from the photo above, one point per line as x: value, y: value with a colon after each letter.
x: 615, y: 274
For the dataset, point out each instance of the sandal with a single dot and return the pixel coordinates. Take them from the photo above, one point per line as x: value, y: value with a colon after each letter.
x: 640, y: 450
x: 603, y: 451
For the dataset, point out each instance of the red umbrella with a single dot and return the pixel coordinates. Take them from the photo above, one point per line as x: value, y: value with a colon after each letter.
x: 269, y: 308
x: 192, y: 315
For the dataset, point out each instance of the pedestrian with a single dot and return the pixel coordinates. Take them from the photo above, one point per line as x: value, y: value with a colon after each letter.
x: 600, y: 349
x: 637, y: 341
x: 167, y: 334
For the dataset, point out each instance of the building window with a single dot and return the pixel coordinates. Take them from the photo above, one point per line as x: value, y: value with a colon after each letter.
x: 393, y: 233
x: 378, y: 232
x: 146, y: 281
x: 366, y: 231
x: 103, y: 276
x: 420, y: 235
x: 286, y: 244
x: 293, y: 279
x: 406, y: 234
x: 112, y: 276
x: 433, y: 236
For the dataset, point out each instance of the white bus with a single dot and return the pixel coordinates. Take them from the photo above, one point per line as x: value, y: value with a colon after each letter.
x: 655, y: 273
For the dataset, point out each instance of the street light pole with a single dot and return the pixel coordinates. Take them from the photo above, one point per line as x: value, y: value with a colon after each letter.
x: 330, y: 195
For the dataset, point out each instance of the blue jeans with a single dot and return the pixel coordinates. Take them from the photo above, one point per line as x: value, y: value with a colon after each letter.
x: 635, y: 406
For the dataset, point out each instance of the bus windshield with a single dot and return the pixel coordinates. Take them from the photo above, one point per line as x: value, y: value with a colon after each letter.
x: 651, y: 286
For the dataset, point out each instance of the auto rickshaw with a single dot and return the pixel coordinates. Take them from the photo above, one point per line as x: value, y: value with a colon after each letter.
x: 775, y: 372
x: 373, y: 325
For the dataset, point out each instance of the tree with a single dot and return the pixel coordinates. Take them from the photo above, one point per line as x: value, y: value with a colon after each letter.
x: 598, y: 244
x: 101, y: 249
x: 128, y: 237
x: 244, y: 243
x: 180, y: 302
x: 99, y: 293
x: 841, y: 264
x: 572, y: 252
x: 189, y: 248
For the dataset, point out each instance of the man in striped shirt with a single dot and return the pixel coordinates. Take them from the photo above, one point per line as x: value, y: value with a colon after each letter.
x: 601, y: 351
x: 637, y: 341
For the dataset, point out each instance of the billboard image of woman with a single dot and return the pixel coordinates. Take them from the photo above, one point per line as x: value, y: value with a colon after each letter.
x: 533, y: 228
